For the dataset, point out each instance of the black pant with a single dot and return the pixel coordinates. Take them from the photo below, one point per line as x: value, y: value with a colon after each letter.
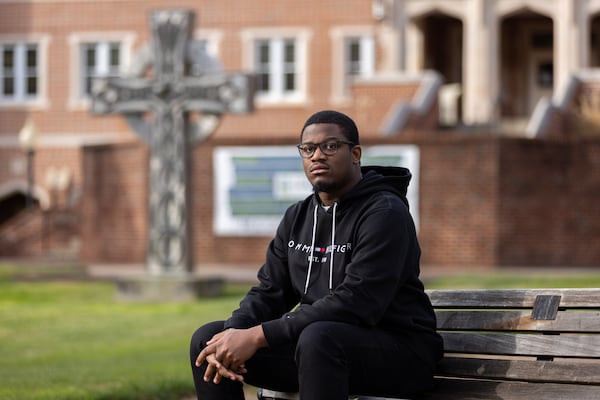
x: 330, y: 361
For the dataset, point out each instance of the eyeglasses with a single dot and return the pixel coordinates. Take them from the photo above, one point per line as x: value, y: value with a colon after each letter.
x: 329, y: 147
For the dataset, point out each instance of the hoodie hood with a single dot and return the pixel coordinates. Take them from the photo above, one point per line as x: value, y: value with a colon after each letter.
x: 377, y: 179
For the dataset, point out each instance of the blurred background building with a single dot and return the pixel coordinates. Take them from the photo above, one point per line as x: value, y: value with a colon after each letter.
x: 494, y: 104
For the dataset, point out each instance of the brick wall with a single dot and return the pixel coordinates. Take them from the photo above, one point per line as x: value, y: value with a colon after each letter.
x: 368, y: 99
x: 458, y: 195
x: 485, y: 201
x: 114, y: 203
x: 549, y: 211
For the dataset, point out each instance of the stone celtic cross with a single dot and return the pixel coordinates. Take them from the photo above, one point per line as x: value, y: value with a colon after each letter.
x: 174, y: 98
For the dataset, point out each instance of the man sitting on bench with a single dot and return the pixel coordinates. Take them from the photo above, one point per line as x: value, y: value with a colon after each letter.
x: 339, y: 308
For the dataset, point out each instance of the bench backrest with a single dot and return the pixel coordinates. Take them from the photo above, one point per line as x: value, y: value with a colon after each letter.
x: 534, y: 335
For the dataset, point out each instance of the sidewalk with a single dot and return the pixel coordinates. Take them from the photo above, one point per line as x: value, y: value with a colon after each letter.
x: 246, y: 273
x: 230, y: 272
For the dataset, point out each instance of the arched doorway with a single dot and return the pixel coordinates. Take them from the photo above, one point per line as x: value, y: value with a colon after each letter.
x: 443, y: 46
x: 526, y: 62
x: 594, y: 41
x: 443, y: 52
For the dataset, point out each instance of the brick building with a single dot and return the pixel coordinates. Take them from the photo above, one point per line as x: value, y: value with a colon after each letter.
x: 499, y: 97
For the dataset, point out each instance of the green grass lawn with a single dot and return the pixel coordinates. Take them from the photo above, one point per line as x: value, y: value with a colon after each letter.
x: 74, y: 340
x: 71, y: 339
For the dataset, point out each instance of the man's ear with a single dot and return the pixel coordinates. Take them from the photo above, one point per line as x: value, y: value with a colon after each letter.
x: 356, y: 154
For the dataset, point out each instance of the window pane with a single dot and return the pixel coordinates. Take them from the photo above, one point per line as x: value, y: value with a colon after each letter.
x: 354, y: 51
x: 354, y: 68
x: 353, y: 56
x: 88, y: 67
x: 31, y: 57
x: 290, y: 55
x: 8, y: 86
x: 8, y: 72
x: 32, y: 85
x: 114, y: 55
x: 262, y: 65
x: 31, y: 80
x: 8, y: 58
x: 263, y: 82
x: 263, y: 52
x: 90, y: 57
x: 290, y: 82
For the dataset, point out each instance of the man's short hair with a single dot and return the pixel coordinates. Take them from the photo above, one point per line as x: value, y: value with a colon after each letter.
x: 346, y: 124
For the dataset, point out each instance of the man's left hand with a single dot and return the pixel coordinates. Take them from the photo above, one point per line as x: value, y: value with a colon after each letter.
x: 227, y: 352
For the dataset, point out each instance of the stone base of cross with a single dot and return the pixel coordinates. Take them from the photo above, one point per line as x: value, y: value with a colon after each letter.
x: 171, y: 288
x: 171, y: 79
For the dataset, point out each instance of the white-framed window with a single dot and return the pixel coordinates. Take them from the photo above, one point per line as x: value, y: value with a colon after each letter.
x: 359, y: 57
x: 98, y: 59
x: 95, y: 55
x: 353, y: 57
x: 20, y: 72
x: 278, y: 58
x: 276, y: 66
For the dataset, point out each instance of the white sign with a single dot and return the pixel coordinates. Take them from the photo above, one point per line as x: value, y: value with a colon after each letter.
x: 255, y: 185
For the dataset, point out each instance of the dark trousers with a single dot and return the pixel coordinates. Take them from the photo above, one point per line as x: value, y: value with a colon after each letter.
x: 330, y: 361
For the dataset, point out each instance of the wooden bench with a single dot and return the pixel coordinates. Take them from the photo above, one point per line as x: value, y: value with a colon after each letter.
x: 521, y: 344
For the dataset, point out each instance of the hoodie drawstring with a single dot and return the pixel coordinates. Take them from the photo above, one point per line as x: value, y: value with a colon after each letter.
x: 332, y: 249
x: 312, y: 249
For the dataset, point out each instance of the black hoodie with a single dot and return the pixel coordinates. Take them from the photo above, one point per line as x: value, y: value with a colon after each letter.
x: 357, y: 262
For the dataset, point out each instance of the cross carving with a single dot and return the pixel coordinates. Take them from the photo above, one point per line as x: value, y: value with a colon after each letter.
x: 158, y: 108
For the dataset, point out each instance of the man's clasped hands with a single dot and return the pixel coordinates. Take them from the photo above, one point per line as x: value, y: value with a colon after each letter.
x: 227, y: 352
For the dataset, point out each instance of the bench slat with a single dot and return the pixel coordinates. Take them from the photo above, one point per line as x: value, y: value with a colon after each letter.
x: 512, y: 298
x: 570, y: 371
x: 585, y: 321
x: 450, y: 389
x: 587, y: 346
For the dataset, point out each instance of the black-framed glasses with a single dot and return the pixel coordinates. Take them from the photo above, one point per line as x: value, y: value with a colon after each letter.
x: 328, y: 147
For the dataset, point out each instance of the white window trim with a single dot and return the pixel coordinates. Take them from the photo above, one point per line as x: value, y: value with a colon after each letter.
x: 301, y: 37
x: 338, y: 35
x: 41, y: 100
x: 76, y: 102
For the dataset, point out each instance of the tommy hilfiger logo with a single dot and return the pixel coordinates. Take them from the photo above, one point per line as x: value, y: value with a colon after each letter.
x: 338, y: 248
